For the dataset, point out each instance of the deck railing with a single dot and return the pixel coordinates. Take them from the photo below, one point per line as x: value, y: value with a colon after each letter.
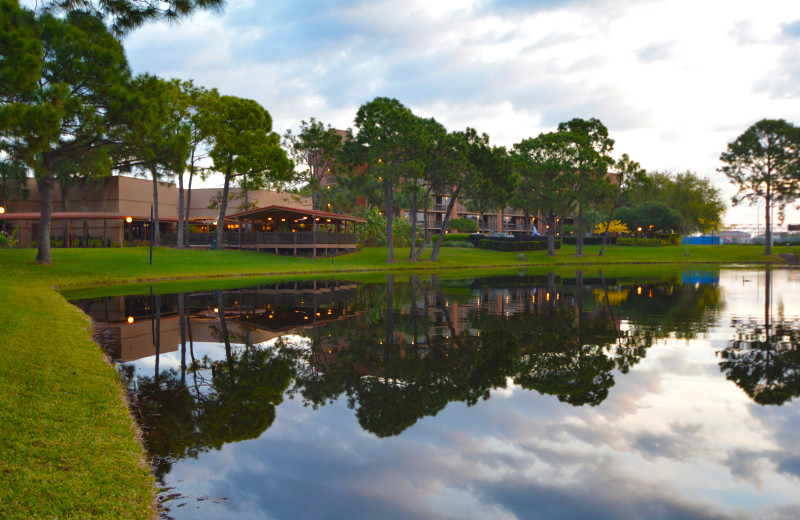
x: 234, y: 238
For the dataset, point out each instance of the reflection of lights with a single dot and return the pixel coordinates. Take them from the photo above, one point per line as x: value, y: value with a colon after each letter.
x: 650, y: 294
x: 305, y: 317
x: 329, y: 311
x: 547, y: 296
x: 270, y: 316
x: 130, y: 319
x: 318, y: 315
x: 639, y: 290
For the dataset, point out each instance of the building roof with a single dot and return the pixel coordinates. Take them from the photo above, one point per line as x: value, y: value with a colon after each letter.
x: 287, y: 212
x: 92, y: 215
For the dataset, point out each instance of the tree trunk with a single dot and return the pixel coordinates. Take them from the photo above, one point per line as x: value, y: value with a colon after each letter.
x: 46, y: 188
x: 387, y: 193
x: 65, y: 208
x: 179, y: 240
x: 154, y: 231
x: 551, y: 234
x: 445, y: 222
x: 223, y: 205
x: 768, y: 223
x: 85, y: 209
x: 188, y: 202
x: 579, y: 241
x: 413, y: 240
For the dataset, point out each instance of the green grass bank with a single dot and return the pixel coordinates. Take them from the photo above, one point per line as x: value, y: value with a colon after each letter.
x: 69, y: 449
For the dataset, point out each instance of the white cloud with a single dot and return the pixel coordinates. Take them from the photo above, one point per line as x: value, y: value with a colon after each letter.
x: 665, y: 77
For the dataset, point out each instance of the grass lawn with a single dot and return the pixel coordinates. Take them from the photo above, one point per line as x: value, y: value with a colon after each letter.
x: 68, y: 448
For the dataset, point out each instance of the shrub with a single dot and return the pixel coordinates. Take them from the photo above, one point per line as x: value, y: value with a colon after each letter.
x: 95, y: 242
x: 522, y: 245
x: 452, y: 237
x: 56, y: 242
x: 458, y: 243
x: 669, y: 239
x: 463, y: 224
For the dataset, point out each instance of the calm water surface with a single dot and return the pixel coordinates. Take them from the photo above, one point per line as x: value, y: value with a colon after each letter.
x: 511, y: 397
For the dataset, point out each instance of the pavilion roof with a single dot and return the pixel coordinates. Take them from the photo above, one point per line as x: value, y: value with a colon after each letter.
x: 288, y: 212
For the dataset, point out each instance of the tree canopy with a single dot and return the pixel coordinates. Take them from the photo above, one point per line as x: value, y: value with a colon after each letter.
x: 764, y: 164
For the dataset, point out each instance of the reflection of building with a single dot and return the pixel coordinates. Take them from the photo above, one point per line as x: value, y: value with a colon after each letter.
x: 125, y: 324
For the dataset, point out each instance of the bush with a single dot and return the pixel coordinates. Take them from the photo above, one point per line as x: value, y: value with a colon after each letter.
x: 669, y: 239
x: 521, y: 245
x: 56, y: 242
x: 452, y: 237
x: 463, y: 224
x: 95, y: 242
x: 458, y: 243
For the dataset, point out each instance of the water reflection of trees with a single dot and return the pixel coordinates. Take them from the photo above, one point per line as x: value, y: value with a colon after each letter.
x: 208, y: 403
x: 763, y: 359
x: 436, y: 343
x: 403, y: 350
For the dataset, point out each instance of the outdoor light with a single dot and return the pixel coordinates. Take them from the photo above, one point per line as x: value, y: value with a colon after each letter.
x: 269, y: 218
x: 283, y: 220
x: 329, y: 220
x: 216, y: 310
x: 317, y: 219
x: 130, y: 319
x: 2, y: 210
x: 127, y: 219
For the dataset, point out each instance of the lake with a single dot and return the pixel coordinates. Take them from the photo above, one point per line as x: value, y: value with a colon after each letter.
x: 624, y: 394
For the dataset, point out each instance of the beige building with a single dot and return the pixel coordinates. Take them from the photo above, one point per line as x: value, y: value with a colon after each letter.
x: 105, y: 207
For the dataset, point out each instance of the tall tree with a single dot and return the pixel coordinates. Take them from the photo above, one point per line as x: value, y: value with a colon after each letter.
x: 764, y: 163
x: 592, y: 162
x: 198, y: 102
x: 545, y: 164
x: 484, y: 174
x: 387, y: 132
x: 245, y: 149
x: 64, y: 122
x: 628, y: 172
x: 315, y: 147
x: 158, y: 140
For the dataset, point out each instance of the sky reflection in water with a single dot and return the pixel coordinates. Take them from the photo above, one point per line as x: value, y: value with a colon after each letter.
x: 671, y: 438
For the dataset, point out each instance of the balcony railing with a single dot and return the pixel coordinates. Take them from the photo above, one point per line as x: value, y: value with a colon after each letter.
x: 234, y: 238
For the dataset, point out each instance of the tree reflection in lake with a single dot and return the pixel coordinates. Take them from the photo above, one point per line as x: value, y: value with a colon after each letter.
x: 763, y: 359
x: 397, y: 351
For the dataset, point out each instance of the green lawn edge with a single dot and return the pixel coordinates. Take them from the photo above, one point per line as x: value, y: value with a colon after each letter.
x: 68, y: 446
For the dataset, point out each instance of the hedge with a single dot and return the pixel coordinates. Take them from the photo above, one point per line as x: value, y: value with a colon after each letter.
x: 522, y: 245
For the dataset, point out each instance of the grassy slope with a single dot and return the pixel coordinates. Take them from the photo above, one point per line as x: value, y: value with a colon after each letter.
x: 67, y: 446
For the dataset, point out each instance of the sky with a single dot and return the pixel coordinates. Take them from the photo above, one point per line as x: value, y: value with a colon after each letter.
x: 674, y: 81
